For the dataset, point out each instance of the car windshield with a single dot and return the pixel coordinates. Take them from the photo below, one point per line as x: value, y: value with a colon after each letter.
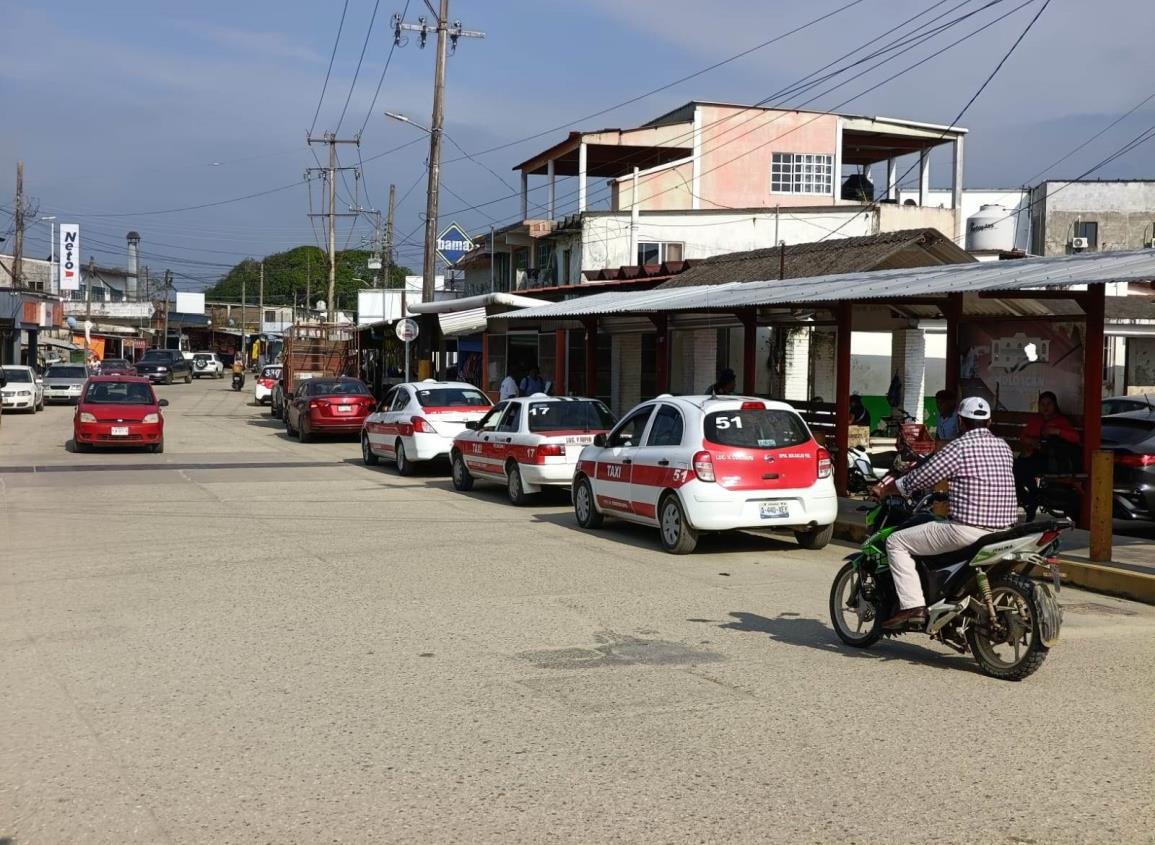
x: 755, y: 429
x: 118, y: 393
x: 558, y: 416
x: 115, y: 362
x: 1120, y: 406
x: 451, y: 397
x: 337, y: 388
x: 17, y: 375
x: 67, y: 372
x: 1127, y: 431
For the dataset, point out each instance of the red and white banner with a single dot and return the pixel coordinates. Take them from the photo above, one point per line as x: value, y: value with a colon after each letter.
x: 69, y: 256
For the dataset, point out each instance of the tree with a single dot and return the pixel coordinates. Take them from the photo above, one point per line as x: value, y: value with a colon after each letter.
x: 289, y: 275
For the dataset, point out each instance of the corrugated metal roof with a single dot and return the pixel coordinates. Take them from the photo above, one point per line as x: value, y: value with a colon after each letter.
x: 1019, y: 274
x: 456, y: 323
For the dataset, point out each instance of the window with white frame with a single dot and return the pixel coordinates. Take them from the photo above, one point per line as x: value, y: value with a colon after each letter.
x: 801, y: 173
x: 658, y: 252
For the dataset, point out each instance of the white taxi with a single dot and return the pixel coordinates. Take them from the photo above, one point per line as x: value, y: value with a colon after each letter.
x: 528, y: 443
x: 417, y: 421
x: 689, y: 464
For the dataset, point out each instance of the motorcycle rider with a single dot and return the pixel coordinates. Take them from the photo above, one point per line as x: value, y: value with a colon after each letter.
x: 239, y: 370
x: 980, y: 469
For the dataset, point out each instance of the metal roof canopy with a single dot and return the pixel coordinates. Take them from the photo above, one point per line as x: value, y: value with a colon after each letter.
x: 880, y: 285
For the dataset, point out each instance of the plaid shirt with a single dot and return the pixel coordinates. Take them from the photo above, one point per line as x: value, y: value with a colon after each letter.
x: 980, y: 468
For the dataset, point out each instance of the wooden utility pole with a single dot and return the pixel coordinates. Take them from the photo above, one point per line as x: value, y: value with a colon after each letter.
x: 244, y: 299
x: 167, y: 293
x: 387, y: 245
x: 331, y: 213
x: 18, y: 238
x: 261, y: 298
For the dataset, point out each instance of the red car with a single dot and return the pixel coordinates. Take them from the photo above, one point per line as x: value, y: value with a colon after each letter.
x: 117, y: 367
x: 328, y: 406
x: 118, y: 411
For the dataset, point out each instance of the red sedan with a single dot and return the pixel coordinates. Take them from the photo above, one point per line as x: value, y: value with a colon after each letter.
x: 117, y: 367
x: 328, y: 406
x: 118, y: 411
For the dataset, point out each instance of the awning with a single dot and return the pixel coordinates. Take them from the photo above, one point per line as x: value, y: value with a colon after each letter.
x: 468, y: 322
x: 58, y: 344
x: 469, y: 303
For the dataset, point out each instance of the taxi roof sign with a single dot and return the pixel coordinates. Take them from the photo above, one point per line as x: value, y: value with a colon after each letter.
x: 453, y: 244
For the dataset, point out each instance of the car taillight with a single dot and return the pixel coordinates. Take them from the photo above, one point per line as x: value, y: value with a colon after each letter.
x: 704, y: 466
x: 753, y: 406
x: 549, y: 450
x: 318, y: 404
x: 151, y: 418
x: 267, y: 383
x: 824, y: 465
x: 1140, y: 461
x: 86, y: 417
x: 422, y: 425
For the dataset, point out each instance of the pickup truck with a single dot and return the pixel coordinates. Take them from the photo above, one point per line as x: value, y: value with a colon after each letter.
x: 164, y: 365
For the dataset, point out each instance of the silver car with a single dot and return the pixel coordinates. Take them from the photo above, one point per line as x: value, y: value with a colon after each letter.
x: 65, y: 382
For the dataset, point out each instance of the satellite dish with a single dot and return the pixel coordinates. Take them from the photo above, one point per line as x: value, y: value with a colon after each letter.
x: 320, y: 305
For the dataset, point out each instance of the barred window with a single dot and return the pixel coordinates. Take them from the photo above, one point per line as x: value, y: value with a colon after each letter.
x: 801, y: 173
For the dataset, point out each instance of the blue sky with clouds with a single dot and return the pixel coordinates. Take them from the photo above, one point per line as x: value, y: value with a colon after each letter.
x: 127, y: 107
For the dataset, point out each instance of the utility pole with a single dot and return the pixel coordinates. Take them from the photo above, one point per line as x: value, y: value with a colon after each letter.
x: 244, y: 299
x: 167, y: 291
x: 447, y: 34
x: 387, y: 245
x: 261, y: 298
x: 88, y: 288
x: 331, y: 213
x: 18, y: 239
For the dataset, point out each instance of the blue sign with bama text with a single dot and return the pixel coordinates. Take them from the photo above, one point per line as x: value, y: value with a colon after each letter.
x: 453, y: 243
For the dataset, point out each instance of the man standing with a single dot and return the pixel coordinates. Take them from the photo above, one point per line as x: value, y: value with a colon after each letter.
x: 948, y: 428
x: 980, y: 469
x: 508, y: 387
x: 532, y: 383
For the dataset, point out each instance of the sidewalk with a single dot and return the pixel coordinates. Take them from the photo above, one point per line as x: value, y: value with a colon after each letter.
x: 1130, y: 574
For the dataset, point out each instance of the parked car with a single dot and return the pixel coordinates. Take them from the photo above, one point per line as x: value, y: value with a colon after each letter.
x: 65, y: 382
x: 328, y: 406
x: 23, y: 391
x: 1131, y: 436
x: 417, y: 422
x: 166, y: 365
x: 117, y: 367
x: 690, y: 464
x: 119, y: 411
x: 207, y: 364
x: 1124, y: 404
x: 266, y: 382
x: 528, y: 443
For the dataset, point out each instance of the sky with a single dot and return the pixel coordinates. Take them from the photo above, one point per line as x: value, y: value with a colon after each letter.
x: 127, y: 112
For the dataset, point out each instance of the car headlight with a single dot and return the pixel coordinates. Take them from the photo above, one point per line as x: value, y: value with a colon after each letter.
x: 24, y: 393
x: 86, y: 417
x: 162, y: 369
x: 151, y: 418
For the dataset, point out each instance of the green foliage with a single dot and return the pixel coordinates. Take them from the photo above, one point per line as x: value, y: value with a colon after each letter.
x: 291, y: 274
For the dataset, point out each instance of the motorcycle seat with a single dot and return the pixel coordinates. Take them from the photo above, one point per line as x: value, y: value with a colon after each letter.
x: 945, y: 559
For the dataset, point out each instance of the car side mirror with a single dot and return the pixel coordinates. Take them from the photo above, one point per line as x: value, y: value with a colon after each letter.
x: 163, y: 403
x: 600, y: 440
x: 473, y: 425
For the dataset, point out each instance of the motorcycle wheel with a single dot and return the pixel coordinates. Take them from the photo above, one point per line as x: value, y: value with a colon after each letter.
x: 858, y: 624
x: 1019, y: 651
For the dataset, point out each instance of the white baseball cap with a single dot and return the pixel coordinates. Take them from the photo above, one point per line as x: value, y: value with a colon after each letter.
x: 974, y: 408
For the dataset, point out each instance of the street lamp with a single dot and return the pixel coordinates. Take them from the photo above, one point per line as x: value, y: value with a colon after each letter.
x: 51, y: 221
x: 404, y: 119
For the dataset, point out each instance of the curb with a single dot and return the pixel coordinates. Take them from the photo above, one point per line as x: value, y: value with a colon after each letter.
x: 1097, y: 578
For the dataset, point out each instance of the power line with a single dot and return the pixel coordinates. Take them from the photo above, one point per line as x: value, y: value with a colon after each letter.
x: 381, y: 79
x: 332, y: 56
x: 360, y: 60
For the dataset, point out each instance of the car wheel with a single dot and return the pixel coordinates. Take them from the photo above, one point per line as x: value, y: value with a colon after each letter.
x: 158, y: 448
x: 515, y: 486
x: 462, y: 479
x: 303, y: 430
x: 80, y: 447
x: 367, y: 454
x: 404, y: 465
x: 288, y: 426
x: 188, y: 377
x: 815, y: 538
x: 677, y: 536
x: 168, y: 378
x: 583, y: 505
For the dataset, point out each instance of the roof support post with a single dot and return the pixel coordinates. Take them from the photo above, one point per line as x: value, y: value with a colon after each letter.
x: 956, y: 189
x: 1094, y: 305
x: 749, y: 318
x: 552, y: 176
x: 661, y: 353
x: 485, y: 361
x: 952, y: 312
x: 583, y: 165
x: 524, y: 195
x: 892, y: 178
x: 560, y: 337
x: 591, y: 327
x: 842, y: 399
x: 923, y: 177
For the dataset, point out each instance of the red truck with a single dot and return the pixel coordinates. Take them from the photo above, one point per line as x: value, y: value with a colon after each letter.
x: 315, y: 350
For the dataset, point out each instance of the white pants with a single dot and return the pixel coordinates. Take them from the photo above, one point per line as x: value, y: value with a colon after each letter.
x: 930, y: 538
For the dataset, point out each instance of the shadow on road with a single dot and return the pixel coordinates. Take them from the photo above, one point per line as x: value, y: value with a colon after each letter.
x: 812, y: 633
x: 644, y: 537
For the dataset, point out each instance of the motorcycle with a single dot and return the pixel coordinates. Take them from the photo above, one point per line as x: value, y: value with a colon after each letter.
x: 979, y: 598
x: 866, y: 470
x: 238, y: 381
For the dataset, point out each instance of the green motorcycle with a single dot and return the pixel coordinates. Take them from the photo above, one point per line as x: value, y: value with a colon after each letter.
x: 980, y: 599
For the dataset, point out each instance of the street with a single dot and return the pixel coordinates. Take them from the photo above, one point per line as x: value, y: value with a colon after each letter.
x: 249, y: 639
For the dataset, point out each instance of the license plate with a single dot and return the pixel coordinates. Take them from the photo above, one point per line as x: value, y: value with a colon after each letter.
x: 770, y: 510
x: 120, y: 431
x: 344, y: 409
x: 579, y: 440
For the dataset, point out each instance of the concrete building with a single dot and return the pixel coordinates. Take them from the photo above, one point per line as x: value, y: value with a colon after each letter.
x: 711, y: 178
x: 1092, y: 216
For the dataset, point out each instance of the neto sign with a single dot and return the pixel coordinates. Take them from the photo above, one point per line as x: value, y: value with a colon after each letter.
x: 69, y: 256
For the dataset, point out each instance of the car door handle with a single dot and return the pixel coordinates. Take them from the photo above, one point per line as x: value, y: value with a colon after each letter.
x: 663, y: 463
x: 628, y: 461
x: 509, y: 440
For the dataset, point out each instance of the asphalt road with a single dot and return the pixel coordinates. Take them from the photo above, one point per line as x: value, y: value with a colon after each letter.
x: 247, y: 639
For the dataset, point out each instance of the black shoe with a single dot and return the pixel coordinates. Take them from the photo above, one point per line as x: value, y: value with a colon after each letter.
x: 905, y: 618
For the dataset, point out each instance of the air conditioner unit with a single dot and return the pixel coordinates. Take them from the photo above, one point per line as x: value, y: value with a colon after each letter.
x: 1078, y: 243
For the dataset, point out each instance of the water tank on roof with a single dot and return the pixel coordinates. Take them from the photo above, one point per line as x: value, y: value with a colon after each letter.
x: 857, y: 187
x: 991, y: 228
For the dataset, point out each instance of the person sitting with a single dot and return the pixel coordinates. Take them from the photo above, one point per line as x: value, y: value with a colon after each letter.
x: 1049, y: 445
x: 858, y: 413
x: 725, y: 385
x: 948, y: 427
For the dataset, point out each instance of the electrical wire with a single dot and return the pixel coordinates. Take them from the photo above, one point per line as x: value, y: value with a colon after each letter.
x: 360, y: 60
x: 329, y: 71
x: 381, y: 79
